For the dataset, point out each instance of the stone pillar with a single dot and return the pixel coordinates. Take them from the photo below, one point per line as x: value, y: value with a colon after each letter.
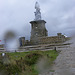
x: 61, y: 37
x: 38, y: 29
x: 22, y: 41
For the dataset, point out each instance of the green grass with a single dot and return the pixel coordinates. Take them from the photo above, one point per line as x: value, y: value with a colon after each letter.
x: 24, y: 62
x: 18, y: 55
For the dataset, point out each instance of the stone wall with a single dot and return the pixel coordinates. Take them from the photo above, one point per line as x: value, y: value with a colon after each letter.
x: 46, y: 40
x: 53, y: 39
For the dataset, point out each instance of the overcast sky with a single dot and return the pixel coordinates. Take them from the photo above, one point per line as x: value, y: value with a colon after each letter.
x: 16, y: 15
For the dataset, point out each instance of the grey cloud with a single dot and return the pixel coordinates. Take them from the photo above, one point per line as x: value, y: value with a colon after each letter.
x: 16, y: 14
x: 60, y: 16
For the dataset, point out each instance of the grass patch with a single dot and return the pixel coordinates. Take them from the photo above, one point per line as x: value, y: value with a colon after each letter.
x: 23, y: 63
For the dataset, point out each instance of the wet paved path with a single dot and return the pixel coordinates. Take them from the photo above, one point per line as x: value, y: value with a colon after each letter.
x: 65, y: 62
